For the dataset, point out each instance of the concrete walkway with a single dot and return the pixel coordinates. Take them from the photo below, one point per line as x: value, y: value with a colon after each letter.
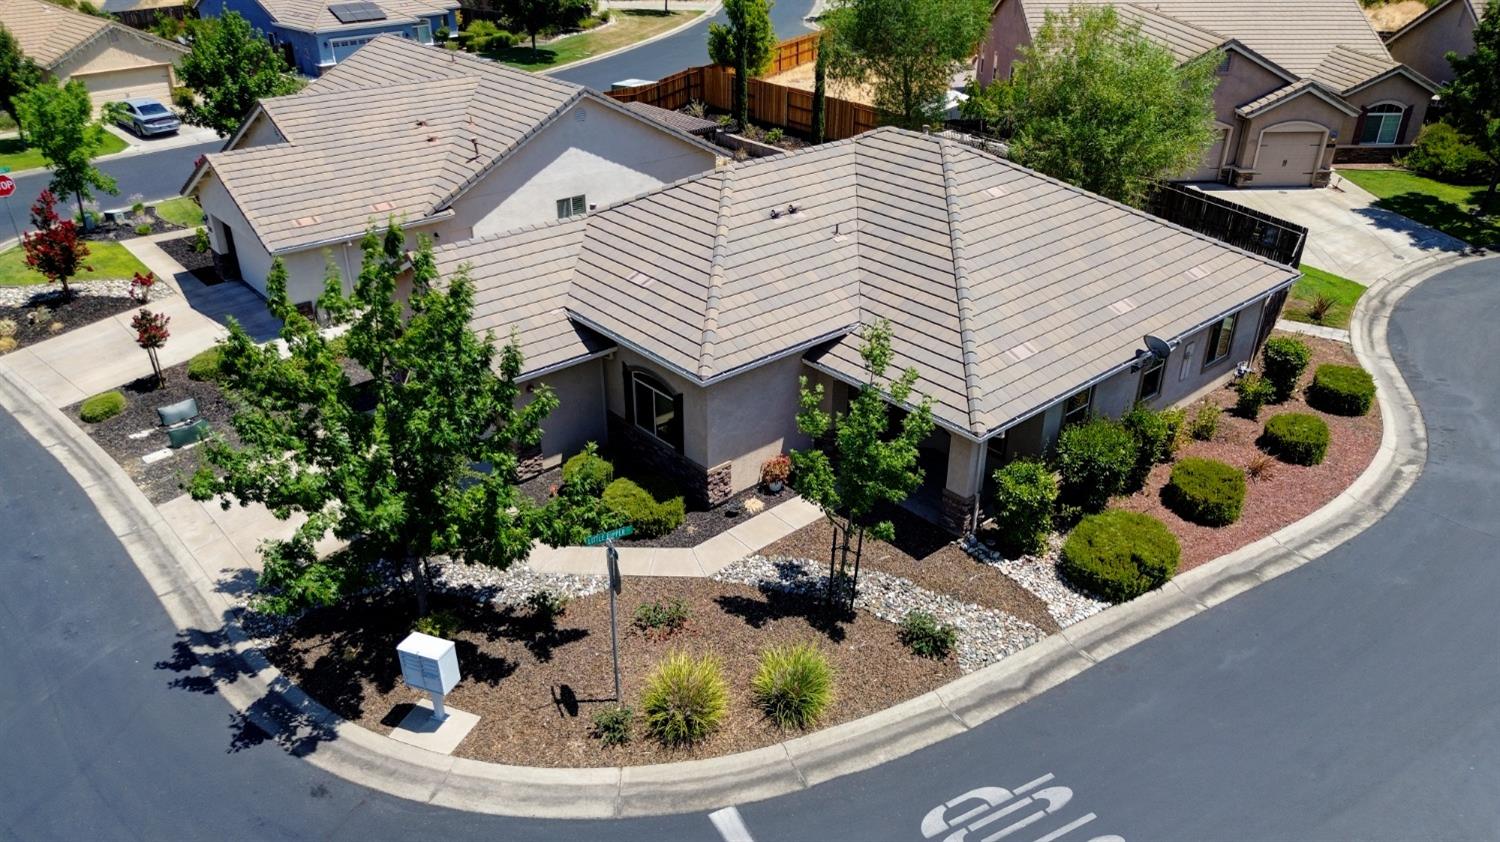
x: 1320, y: 331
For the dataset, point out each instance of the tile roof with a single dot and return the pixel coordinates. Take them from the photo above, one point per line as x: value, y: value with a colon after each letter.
x: 1185, y: 40
x: 674, y: 119
x: 48, y: 33
x: 1344, y: 67
x: 1006, y: 289
x: 314, y: 16
x: 353, y: 134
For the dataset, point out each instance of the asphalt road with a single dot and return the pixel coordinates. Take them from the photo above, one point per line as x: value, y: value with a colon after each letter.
x: 154, y: 175
x: 1357, y: 697
x: 688, y: 48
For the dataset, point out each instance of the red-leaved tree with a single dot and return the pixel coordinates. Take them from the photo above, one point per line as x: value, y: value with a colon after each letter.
x: 151, y: 334
x: 54, y: 248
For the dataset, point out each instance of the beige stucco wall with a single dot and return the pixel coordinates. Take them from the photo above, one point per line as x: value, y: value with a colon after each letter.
x: 1399, y: 89
x: 117, y: 49
x: 695, y: 422
x: 579, y: 417
x: 260, y: 132
x: 1307, y: 108
x: 1423, y: 47
x: 752, y: 417
x: 590, y: 150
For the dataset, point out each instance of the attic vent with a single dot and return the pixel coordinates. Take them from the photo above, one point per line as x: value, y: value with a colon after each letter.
x: 382, y: 207
x: 1121, y: 307
x: 640, y: 279
x: 1198, y: 272
x: 996, y: 192
x: 1021, y: 352
x: 307, y: 220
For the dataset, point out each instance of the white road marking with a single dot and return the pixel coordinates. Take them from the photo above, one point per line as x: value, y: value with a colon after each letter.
x: 995, y: 804
x: 730, y: 825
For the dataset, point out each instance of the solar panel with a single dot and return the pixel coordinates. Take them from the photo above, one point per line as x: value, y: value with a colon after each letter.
x: 357, y: 12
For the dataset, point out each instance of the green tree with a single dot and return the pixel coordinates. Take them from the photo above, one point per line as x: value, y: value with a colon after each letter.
x: 534, y: 16
x: 820, y: 95
x: 1473, y: 97
x: 1076, y: 108
x: 18, y: 74
x: 230, y: 66
x: 869, y: 463
x: 421, y: 461
x: 747, y: 44
x: 60, y: 123
x: 906, y: 50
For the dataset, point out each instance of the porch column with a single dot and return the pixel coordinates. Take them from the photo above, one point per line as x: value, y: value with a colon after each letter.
x: 965, y: 479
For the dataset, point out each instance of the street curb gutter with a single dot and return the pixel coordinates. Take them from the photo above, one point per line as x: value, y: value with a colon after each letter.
x: 707, y: 14
x: 312, y: 732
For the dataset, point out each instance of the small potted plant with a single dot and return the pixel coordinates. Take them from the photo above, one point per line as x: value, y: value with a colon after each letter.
x: 774, y: 472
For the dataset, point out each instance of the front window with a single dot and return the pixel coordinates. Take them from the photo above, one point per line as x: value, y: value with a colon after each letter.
x: 1382, y: 122
x: 571, y: 206
x: 1220, y: 340
x: 1151, y: 377
x: 655, y: 408
x: 424, y: 33
x: 1076, y: 407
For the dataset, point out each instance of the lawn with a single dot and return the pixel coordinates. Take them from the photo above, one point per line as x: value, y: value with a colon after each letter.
x: 180, y: 211
x: 1450, y: 208
x: 1315, y: 284
x: 627, y: 28
x: 18, y: 156
x: 110, y: 261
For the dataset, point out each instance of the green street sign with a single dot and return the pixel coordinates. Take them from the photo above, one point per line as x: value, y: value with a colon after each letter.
x: 4, y: 170
x: 596, y: 540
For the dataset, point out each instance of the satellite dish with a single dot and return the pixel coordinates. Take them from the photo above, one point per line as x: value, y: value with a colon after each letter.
x: 1159, y: 348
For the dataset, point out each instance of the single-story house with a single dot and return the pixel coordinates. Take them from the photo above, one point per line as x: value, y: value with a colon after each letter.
x: 113, y: 61
x: 1424, y: 43
x: 452, y: 145
x: 675, y: 325
x: 1303, y: 84
x: 315, y: 35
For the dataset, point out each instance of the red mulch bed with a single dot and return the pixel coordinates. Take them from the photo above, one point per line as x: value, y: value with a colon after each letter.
x: 536, y: 688
x: 1291, y: 492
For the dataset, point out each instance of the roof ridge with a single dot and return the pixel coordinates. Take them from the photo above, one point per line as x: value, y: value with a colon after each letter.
x: 716, y: 277
x: 1159, y: 12
x: 972, y: 390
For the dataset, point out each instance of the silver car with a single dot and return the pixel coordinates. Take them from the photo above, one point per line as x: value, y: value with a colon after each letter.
x: 147, y: 117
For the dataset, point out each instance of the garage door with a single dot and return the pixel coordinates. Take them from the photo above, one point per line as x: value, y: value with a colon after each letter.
x: 1209, y: 169
x: 117, y: 85
x: 1288, y: 159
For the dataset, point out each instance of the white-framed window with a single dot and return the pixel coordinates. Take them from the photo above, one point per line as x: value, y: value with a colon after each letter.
x: 1382, y: 124
x: 1151, y: 377
x: 654, y: 408
x: 424, y: 33
x: 1076, y: 407
x: 1220, y: 340
x: 572, y: 206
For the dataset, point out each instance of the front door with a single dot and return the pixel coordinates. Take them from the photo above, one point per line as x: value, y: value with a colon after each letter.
x: 231, y: 257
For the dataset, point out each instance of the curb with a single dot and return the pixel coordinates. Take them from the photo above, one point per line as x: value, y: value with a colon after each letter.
x: 706, y: 14
x: 306, y: 729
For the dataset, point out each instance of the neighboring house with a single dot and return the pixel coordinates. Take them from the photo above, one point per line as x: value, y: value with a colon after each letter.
x: 676, y: 324
x: 315, y: 35
x: 1303, y: 84
x: 1424, y: 43
x: 113, y: 61
x: 452, y: 145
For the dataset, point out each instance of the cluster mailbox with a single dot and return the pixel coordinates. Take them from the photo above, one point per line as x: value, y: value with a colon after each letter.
x: 429, y: 663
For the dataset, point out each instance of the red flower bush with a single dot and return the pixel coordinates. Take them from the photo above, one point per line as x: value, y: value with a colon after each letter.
x: 54, y: 249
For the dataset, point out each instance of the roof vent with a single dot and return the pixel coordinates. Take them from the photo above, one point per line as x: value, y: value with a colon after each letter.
x: 996, y: 192
x: 1198, y: 272
x: 383, y: 206
x: 1021, y: 352
x: 640, y: 279
x: 1121, y: 307
x: 307, y: 220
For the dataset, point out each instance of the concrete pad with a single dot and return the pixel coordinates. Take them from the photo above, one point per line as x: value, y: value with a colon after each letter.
x: 419, y: 729
x: 634, y: 561
x: 719, y: 552
x: 762, y: 530
x: 579, y: 561
x: 675, y: 562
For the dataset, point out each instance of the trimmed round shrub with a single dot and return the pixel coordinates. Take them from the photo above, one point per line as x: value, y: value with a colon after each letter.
x: 651, y: 517
x: 1341, y: 390
x: 1095, y: 460
x: 685, y: 699
x: 1025, y: 494
x: 925, y: 636
x: 1254, y: 392
x: 588, y: 472
x: 1119, y: 555
x: 1206, y: 491
x: 1296, y: 437
x: 1282, y: 362
x: 205, y: 365
x: 794, y: 685
x: 1153, y: 432
x: 102, y: 407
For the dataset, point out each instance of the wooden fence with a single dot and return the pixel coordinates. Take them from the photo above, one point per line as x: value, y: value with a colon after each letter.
x: 794, y: 52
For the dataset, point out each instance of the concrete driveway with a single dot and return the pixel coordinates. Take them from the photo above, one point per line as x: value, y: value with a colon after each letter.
x: 1347, y: 234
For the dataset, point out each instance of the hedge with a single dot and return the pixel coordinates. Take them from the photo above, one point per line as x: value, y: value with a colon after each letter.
x: 1254, y: 391
x: 102, y: 407
x: 1296, y: 437
x: 1119, y: 555
x: 1154, y: 433
x: 1095, y: 459
x: 1341, y: 390
x: 1025, y: 493
x: 1205, y: 491
x: 205, y: 364
x: 1283, y: 361
x: 588, y: 471
x: 651, y: 518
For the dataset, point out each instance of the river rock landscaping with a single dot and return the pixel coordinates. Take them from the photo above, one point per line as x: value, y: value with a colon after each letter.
x: 40, y: 313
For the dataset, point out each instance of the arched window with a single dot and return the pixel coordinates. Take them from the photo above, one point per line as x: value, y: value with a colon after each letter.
x: 1382, y: 124
x: 654, y: 407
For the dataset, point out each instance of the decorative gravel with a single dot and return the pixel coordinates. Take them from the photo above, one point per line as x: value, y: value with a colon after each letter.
x: 512, y: 586
x: 985, y: 635
x: 48, y: 293
x: 1038, y: 574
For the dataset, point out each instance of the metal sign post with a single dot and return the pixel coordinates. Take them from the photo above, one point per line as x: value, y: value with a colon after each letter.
x: 612, y: 565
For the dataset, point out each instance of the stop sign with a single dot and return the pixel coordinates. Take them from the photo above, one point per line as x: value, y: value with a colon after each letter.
x: 7, y: 186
